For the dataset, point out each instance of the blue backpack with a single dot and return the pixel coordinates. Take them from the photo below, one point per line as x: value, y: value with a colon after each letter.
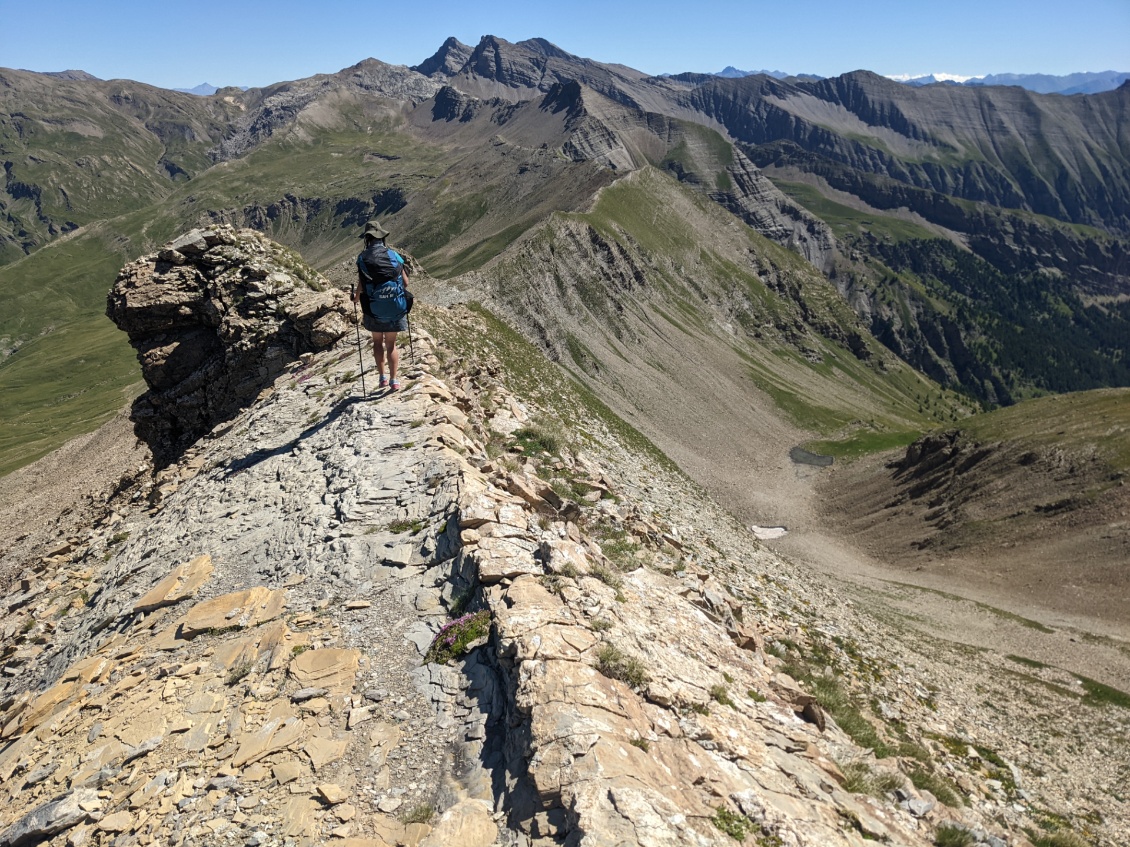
x: 383, y: 294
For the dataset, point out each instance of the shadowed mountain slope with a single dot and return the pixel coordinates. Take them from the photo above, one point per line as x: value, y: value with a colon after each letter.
x: 1068, y: 158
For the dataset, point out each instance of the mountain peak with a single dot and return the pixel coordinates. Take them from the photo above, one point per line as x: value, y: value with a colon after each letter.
x: 447, y: 61
x: 545, y: 48
x: 205, y: 89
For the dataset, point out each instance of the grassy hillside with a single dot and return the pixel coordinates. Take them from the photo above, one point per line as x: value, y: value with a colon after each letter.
x: 1097, y: 421
x: 82, y: 151
x: 71, y: 368
x: 1027, y: 502
x: 695, y: 328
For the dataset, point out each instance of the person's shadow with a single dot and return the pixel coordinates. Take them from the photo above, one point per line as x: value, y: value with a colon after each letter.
x: 238, y: 465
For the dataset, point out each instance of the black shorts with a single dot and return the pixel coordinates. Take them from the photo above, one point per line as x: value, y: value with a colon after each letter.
x: 373, y: 325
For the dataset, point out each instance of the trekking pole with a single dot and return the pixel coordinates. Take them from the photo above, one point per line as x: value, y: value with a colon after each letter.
x: 411, y: 345
x: 357, y: 326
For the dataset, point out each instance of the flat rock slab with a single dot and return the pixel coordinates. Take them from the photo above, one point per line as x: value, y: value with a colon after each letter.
x: 181, y: 583
x: 240, y: 609
x: 47, y: 820
x: 331, y: 668
x: 466, y: 824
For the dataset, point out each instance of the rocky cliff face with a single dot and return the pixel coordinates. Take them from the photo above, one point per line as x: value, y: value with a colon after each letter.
x: 974, y: 143
x: 215, y: 316
x: 760, y: 204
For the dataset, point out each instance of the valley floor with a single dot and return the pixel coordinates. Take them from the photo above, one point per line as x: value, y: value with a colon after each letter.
x: 1016, y: 601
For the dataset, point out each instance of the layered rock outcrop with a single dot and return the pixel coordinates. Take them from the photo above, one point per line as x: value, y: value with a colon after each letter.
x: 214, y: 316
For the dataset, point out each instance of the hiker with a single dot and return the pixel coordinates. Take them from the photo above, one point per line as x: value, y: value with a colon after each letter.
x: 382, y: 291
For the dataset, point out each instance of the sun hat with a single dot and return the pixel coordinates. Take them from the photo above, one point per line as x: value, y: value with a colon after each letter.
x: 374, y: 229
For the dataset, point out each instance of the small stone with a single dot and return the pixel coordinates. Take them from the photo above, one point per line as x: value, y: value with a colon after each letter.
x: 919, y: 808
x: 117, y: 822
x: 345, y: 812
x: 317, y: 706
x: 286, y: 772
x: 357, y: 604
x: 256, y: 773
x: 332, y: 793
x: 390, y: 804
x: 305, y: 694
x: 40, y: 774
x: 375, y: 694
x: 359, y: 716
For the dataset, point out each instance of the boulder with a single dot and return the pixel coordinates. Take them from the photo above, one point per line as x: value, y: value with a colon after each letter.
x: 47, y: 820
x: 215, y: 316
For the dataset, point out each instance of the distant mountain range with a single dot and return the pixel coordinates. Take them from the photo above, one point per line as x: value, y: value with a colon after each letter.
x: 1077, y: 83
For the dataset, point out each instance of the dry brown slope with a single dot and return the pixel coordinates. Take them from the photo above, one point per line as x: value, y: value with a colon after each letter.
x: 1029, y: 503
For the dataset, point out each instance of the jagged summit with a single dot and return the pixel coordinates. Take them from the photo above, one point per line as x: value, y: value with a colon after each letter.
x: 497, y: 67
x: 451, y: 57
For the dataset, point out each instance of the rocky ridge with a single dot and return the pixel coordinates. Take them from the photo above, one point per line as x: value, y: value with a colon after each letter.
x: 213, y: 315
x: 247, y: 652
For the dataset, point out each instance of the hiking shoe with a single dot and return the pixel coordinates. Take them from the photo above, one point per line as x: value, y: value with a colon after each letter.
x: 394, y: 385
x: 382, y: 382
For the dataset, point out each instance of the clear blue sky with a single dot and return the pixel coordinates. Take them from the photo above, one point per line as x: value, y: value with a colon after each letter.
x: 250, y: 42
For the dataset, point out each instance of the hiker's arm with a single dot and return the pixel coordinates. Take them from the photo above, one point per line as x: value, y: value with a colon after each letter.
x: 404, y: 274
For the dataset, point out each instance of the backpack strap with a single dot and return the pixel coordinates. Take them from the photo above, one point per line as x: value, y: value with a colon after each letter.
x: 361, y: 269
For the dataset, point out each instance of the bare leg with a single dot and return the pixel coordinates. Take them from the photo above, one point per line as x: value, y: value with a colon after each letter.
x: 391, y: 353
x: 379, y: 352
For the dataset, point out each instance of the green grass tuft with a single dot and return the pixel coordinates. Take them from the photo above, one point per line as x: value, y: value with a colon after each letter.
x: 614, y: 663
x: 735, y: 825
x: 456, y: 636
x: 948, y: 835
x: 1103, y: 695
